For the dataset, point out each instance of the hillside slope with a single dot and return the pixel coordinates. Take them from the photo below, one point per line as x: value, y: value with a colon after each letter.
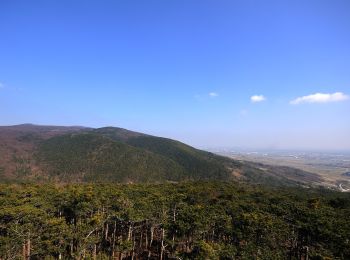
x: 17, y: 146
x: 196, y: 163
x: 91, y: 157
x: 110, y: 154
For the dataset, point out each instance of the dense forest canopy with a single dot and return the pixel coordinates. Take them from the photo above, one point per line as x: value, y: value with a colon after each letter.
x: 191, y: 220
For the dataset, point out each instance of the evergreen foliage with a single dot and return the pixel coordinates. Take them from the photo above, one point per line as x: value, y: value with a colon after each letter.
x: 193, y: 220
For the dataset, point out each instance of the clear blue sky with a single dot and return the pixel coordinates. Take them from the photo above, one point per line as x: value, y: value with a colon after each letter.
x: 182, y: 69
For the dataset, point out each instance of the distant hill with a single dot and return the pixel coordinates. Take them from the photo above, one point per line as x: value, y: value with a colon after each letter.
x: 109, y: 154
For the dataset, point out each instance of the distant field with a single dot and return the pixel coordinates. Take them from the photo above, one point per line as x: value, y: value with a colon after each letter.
x: 331, y: 166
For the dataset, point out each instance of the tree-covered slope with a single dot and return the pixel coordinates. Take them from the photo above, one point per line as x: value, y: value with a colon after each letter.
x: 196, y: 163
x: 18, y: 144
x: 91, y: 157
x: 202, y: 164
x: 110, y: 154
x: 95, y: 157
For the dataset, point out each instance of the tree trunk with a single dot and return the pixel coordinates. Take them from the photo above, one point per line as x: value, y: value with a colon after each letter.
x: 71, y: 248
x: 141, y: 237
x: 106, y: 232
x: 162, y: 245
x: 146, y: 238
x: 174, y: 220
x: 28, y: 248
x: 114, y: 234
x: 95, y: 252
x: 133, y: 249
x: 129, y: 233
x: 306, y: 253
x: 24, y: 250
x: 152, y: 233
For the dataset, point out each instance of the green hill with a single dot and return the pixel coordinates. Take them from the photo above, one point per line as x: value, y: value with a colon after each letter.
x: 91, y: 157
x: 110, y: 154
x: 195, y: 163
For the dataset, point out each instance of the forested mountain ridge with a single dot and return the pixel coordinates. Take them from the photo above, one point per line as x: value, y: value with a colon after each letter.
x: 110, y: 154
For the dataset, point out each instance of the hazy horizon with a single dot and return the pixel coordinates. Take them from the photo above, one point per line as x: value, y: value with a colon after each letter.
x: 255, y: 75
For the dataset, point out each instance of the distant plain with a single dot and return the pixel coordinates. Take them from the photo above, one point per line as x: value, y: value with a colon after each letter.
x: 332, y: 166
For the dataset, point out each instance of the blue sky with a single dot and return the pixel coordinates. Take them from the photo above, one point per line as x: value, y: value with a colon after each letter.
x: 182, y: 69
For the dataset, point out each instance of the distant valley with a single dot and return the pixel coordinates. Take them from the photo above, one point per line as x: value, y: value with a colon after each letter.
x: 334, y: 167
